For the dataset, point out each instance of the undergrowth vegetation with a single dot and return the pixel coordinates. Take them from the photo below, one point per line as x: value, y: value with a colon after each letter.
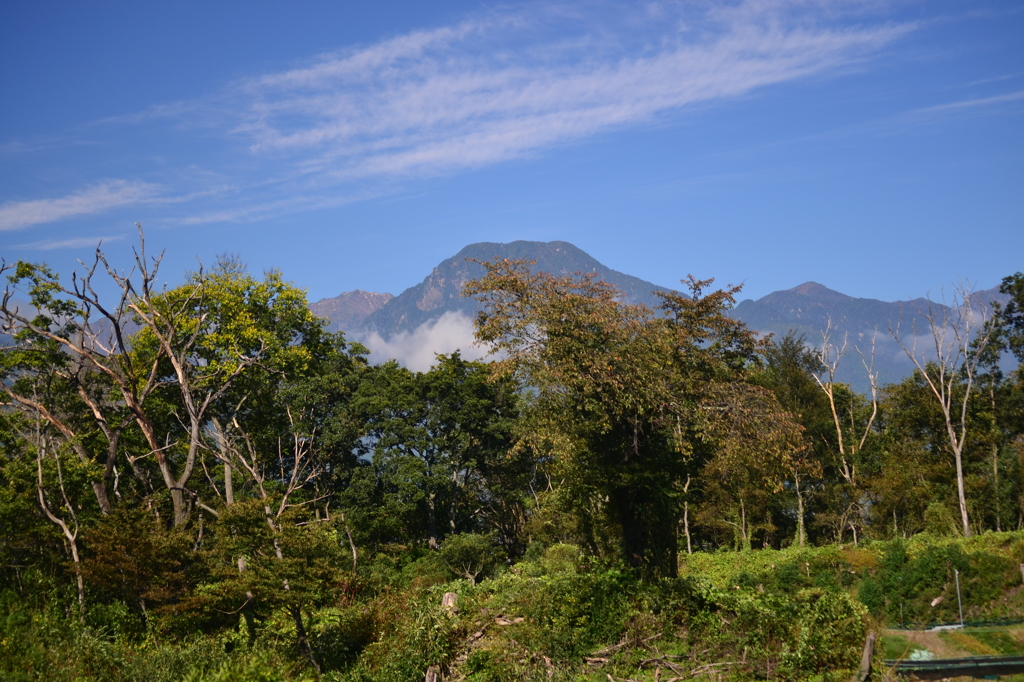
x: 560, y: 614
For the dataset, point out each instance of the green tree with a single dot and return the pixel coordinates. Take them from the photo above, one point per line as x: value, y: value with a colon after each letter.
x: 470, y: 555
x: 436, y: 438
x: 910, y: 466
x: 789, y: 370
x: 222, y: 335
x: 623, y: 397
x: 1012, y: 315
x: 162, y: 360
x: 1001, y: 399
x: 64, y: 361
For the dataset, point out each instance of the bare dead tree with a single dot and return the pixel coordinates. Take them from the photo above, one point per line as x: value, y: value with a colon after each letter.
x: 95, y: 340
x: 79, y: 340
x: 951, y: 371
x: 69, y: 526
x: 829, y: 356
x: 302, y: 470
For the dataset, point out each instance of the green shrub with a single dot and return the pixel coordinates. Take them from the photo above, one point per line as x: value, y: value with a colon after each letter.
x: 413, y: 633
x: 426, y: 571
x: 561, y: 558
x: 570, y: 614
x: 471, y: 556
x: 939, y: 520
x: 339, y: 635
x: 259, y: 667
x: 828, y: 633
x: 870, y: 595
x: 534, y: 552
x: 116, y: 620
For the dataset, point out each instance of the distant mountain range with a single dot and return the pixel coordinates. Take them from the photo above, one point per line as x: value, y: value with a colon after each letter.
x: 806, y: 309
x: 441, y: 290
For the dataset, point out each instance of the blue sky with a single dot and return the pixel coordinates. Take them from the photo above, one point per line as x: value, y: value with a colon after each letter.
x: 875, y: 147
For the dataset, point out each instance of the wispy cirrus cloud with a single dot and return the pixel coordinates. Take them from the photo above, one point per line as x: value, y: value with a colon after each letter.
x: 975, y: 103
x: 98, y: 198
x: 76, y: 243
x: 432, y: 101
x: 938, y: 114
x: 500, y: 85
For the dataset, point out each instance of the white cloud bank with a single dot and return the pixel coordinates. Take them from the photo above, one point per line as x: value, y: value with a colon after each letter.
x: 417, y: 349
x: 15, y: 215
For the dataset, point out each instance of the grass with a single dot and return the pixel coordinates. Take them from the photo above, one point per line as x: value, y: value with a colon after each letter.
x: 982, y: 641
x: 1001, y: 640
x: 897, y: 647
x: 968, y: 642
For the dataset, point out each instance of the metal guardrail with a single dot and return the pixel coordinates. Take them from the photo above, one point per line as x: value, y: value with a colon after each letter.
x: 913, y: 626
x: 973, y: 666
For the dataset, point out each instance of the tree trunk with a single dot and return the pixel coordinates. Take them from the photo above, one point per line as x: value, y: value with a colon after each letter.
x: 864, y: 672
x: 69, y: 535
x: 995, y: 454
x: 744, y: 535
x: 649, y: 532
x: 995, y: 485
x: 686, y: 526
x: 686, y: 516
x: 179, y: 506
x: 801, y: 535
x: 229, y: 486
x: 431, y: 522
x: 302, y: 638
x: 351, y: 543
x: 78, y: 579
x: 100, y: 488
x: 961, y: 495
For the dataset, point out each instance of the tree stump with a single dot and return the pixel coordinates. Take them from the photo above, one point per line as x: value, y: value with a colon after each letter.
x: 449, y: 601
x: 865, y: 659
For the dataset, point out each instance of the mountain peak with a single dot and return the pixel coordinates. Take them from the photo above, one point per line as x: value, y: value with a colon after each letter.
x: 550, y: 256
x: 441, y: 290
x: 816, y: 290
x: 349, y: 309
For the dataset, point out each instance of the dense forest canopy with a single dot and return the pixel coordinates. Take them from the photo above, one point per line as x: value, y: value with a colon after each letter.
x: 208, y: 458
